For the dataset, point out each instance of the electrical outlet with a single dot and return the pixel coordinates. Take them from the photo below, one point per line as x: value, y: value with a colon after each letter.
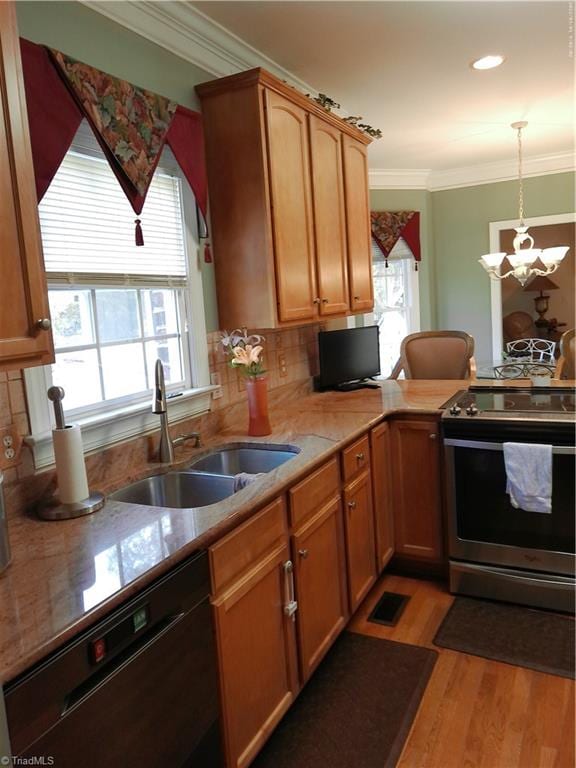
x: 9, y: 447
x: 215, y: 380
x: 282, y: 370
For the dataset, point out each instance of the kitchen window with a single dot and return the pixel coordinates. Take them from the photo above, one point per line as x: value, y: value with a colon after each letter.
x: 117, y: 307
x: 396, y: 301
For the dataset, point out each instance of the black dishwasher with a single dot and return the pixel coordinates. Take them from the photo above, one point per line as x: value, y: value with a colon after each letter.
x: 138, y: 689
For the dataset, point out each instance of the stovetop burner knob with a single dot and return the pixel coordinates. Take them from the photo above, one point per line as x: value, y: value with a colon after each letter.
x: 472, y: 409
x: 455, y: 410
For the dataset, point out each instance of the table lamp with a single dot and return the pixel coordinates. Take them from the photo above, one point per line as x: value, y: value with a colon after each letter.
x: 541, y: 283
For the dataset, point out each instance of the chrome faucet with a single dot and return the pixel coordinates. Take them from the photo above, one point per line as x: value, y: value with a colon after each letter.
x: 166, y: 447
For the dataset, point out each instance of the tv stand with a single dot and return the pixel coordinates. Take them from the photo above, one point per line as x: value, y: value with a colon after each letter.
x: 349, y: 386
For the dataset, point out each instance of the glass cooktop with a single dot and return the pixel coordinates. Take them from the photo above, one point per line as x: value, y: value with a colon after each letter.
x: 504, y: 402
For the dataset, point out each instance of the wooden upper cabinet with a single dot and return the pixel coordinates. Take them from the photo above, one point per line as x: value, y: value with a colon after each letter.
x: 288, y: 154
x: 329, y: 217
x: 279, y: 207
x: 25, y: 338
x: 358, y: 224
x: 417, y: 489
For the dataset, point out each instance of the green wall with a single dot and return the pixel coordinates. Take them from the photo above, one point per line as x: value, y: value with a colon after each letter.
x: 90, y: 37
x: 415, y: 200
x: 461, y: 219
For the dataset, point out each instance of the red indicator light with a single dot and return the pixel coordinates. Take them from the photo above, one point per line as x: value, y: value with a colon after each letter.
x: 98, y: 649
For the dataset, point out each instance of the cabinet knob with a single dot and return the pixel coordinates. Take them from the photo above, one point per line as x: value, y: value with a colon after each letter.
x: 432, y: 436
x: 360, y: 456
x: 316, y: 301
x: 356, y: 298
x: 351, y: 505
x: 303, y: 553
x: 324, y: 301
x: 44, y: 324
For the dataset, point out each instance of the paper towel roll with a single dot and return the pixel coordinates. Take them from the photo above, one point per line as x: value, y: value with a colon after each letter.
x: 70, y: 466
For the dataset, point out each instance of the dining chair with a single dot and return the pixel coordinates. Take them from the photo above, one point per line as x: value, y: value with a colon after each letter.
x: 436, y: 355
x: 539, y: 350
x: 565, y: 365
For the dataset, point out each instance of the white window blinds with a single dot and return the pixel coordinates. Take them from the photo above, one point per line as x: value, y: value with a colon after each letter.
x: 88, y: 224
x: 400, y: 251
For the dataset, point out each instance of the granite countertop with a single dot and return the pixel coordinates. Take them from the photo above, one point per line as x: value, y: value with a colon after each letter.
x: 65, y: 575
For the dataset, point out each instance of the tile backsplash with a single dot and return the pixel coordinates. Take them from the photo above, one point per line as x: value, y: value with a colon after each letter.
x: 290, y: 356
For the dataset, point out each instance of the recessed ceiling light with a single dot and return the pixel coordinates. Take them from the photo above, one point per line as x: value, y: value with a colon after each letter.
x: 487, y: 62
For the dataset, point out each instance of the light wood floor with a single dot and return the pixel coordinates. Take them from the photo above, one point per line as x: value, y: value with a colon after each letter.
x: 475, y: 713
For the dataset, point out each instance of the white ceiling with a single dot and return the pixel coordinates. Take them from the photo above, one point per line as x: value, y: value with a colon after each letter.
x: 404, y: 66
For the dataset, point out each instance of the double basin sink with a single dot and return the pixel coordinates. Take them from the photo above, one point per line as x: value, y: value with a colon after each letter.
x: 209, y: 479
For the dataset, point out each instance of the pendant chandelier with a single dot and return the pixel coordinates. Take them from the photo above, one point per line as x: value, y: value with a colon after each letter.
x: 523, y: 260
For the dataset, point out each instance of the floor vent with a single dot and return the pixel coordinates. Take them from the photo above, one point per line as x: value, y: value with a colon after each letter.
x: 389, y: 609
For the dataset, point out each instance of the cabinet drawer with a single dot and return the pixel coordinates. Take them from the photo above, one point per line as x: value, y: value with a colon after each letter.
x: 356, y: 458
x: 308, y: 496
x: 240, y: 550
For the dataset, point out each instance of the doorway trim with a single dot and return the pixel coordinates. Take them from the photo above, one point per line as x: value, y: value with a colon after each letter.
x: 495, y: 228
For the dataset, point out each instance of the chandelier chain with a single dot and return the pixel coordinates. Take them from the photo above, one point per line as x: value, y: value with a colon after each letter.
x: 520, y: 180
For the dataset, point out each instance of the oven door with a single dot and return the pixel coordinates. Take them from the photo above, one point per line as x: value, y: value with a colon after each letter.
x: 485, y: 528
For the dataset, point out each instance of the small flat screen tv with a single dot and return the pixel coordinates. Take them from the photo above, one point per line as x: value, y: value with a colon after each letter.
x: 348, y: 357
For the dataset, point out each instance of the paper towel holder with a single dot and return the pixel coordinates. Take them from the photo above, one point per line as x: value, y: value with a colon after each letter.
x: 53, y: 508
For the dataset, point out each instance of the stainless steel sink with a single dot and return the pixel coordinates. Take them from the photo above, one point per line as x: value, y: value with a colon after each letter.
x: 177, y: 489
x: 244, y: 458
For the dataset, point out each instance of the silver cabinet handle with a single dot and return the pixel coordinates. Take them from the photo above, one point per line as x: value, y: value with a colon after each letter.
x: 351, y: 505
x: 303, y: 553
x: 44, y: 324
x: 360, y: 456
x: 432, y: 436
x: 291, y: 606
x: 316, y: 301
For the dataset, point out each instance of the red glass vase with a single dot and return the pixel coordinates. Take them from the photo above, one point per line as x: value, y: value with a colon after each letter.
x: 257, y: 389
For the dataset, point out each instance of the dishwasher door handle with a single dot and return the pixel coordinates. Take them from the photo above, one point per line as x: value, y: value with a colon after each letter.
x: 116, y: 665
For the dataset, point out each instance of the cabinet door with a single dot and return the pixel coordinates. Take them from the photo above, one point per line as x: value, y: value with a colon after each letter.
x: 257, y: 656
x: 359, y: 527
x: 290, y: 192
x: 382, y: 491
x: 329, y: 217
x: 319, y: 561
x: 25, y: 338
x: 358, y: 225
x: 416, y: 489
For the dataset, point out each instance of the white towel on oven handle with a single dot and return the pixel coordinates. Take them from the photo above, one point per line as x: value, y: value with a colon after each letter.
x: 529, y: 476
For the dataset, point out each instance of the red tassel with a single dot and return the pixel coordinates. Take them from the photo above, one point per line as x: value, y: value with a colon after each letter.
x: 207, y: 254
x: 139, y: 237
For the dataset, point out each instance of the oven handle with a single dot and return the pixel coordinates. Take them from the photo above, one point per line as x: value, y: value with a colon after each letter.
x: 569, y: 450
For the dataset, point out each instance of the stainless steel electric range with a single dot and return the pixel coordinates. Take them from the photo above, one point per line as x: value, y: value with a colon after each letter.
x: 497, y: 551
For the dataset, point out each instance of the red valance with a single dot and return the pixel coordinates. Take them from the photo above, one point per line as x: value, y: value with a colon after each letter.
x: 389, y: 226
x: 55, y: 111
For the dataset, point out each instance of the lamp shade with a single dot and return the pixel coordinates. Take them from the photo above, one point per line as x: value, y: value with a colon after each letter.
x: 541, y: 283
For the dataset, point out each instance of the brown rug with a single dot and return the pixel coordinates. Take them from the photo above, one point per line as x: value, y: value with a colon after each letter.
x: 526, y: 637
x: 357, y: 709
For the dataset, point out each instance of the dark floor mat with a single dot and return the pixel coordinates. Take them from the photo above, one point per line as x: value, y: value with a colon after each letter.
x: 357, y: 709
x: 514, y: 634
x: 389, y: 609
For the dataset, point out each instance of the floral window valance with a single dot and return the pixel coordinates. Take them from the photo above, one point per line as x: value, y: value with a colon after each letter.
x: 130, y: 123
x: 389, y: 226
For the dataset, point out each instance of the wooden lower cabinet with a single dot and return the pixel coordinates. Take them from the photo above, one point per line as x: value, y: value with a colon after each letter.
x: 417, y: 489
x: 320, y: 573
x: 359, y: 529
x: 257, y: 656
x: 380, y: 450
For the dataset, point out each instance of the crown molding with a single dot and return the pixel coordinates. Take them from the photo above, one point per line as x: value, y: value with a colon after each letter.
x: 489, y: 173
x: 381, y: 178
x: 186, y: 32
